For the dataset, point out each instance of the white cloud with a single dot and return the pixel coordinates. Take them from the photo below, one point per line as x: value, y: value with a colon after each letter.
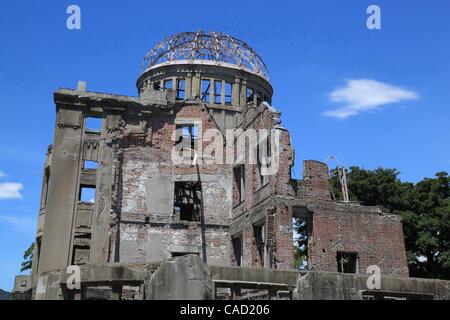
x: 360, y: 95
x: 10, y: 190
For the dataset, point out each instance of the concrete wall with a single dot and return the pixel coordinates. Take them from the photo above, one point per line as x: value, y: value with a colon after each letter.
x: 185, y: 278
x: 188, y: 278
x: 338, y: 286
x: 62, y: 191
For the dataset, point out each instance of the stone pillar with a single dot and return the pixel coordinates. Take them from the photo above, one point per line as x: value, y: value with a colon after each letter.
x: 189, y: 91
x: 222, y: 92
x: 244, y: 93
x: 236, y: 95
x: 196, y: 85
x: 99, y: 246
x: 62, y: 192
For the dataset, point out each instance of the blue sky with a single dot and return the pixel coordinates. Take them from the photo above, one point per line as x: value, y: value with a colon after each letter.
x: 370, y: 97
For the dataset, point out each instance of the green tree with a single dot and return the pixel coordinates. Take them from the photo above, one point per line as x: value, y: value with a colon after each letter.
x: 301, y: 244
x: 27, y: 258
x: 424, y: 207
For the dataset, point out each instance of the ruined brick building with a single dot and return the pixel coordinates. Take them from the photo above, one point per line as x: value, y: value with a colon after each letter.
x: 113, y: 198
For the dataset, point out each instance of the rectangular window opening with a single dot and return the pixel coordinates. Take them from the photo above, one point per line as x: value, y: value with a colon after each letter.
x: 259, y: 233
x: 302, y: 233
x: 250, y: 94
x: 87, y: 194
x: 206, y: 90
x: 80, y: 253
x: 181, y: 89
x: 217, y: 92
x: 258, y: 98
x: 180, y: 254
x: 157, y: 85
x: 228, y: 93
x: 168, y: 84
x: 187, y: 134
x: 46, y: 185
x: 237, y: 249
x: 263, y: 159
x: 93, y: 124
x: 88, y: 164
x: 38, y: 251
x: 239, y: 176
x: 187, y: 200
x: 347, y: 262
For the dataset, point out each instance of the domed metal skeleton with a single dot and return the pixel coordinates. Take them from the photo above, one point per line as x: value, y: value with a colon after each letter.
x: 199, y: 46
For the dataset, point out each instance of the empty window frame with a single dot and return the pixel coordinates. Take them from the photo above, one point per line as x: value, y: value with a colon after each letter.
x: 38, y: 252
x: 87, y: 194
x: 157, y: 85
x: 217, y: 92
x: 181, y: 89
x: 239, y: 176
x: 228, y: 93
x: 168, y: 84
x: 180, y: 254
x: 45, y: 187
x: 258, y: 98
x: 93, y: 124
x: 80, y: 253
x: 88, y: 164
x: 263, y: 158
x: 237, y: 243
x: 188, y: 134
x: 250, y: 95
x: 206, y: 90
x: 259, y: 234
x: 187, y: 200
x: 302, y: 229
x: 347, y: 262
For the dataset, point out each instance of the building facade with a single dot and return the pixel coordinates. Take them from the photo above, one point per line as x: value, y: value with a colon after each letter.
x: 198, y: 163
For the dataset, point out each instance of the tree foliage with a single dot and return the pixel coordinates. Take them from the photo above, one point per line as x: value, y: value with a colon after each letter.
x: 27, y: 258
x: 301, y: 244
x: 424, y: 207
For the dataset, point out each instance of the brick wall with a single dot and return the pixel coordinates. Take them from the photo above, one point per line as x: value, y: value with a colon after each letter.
x: 376, y: 238
x: 148, y: 229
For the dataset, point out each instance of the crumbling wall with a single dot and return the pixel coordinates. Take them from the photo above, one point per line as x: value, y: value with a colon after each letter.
x: 374, y: 236
x: 148, y: 229
x: 259, y: 207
